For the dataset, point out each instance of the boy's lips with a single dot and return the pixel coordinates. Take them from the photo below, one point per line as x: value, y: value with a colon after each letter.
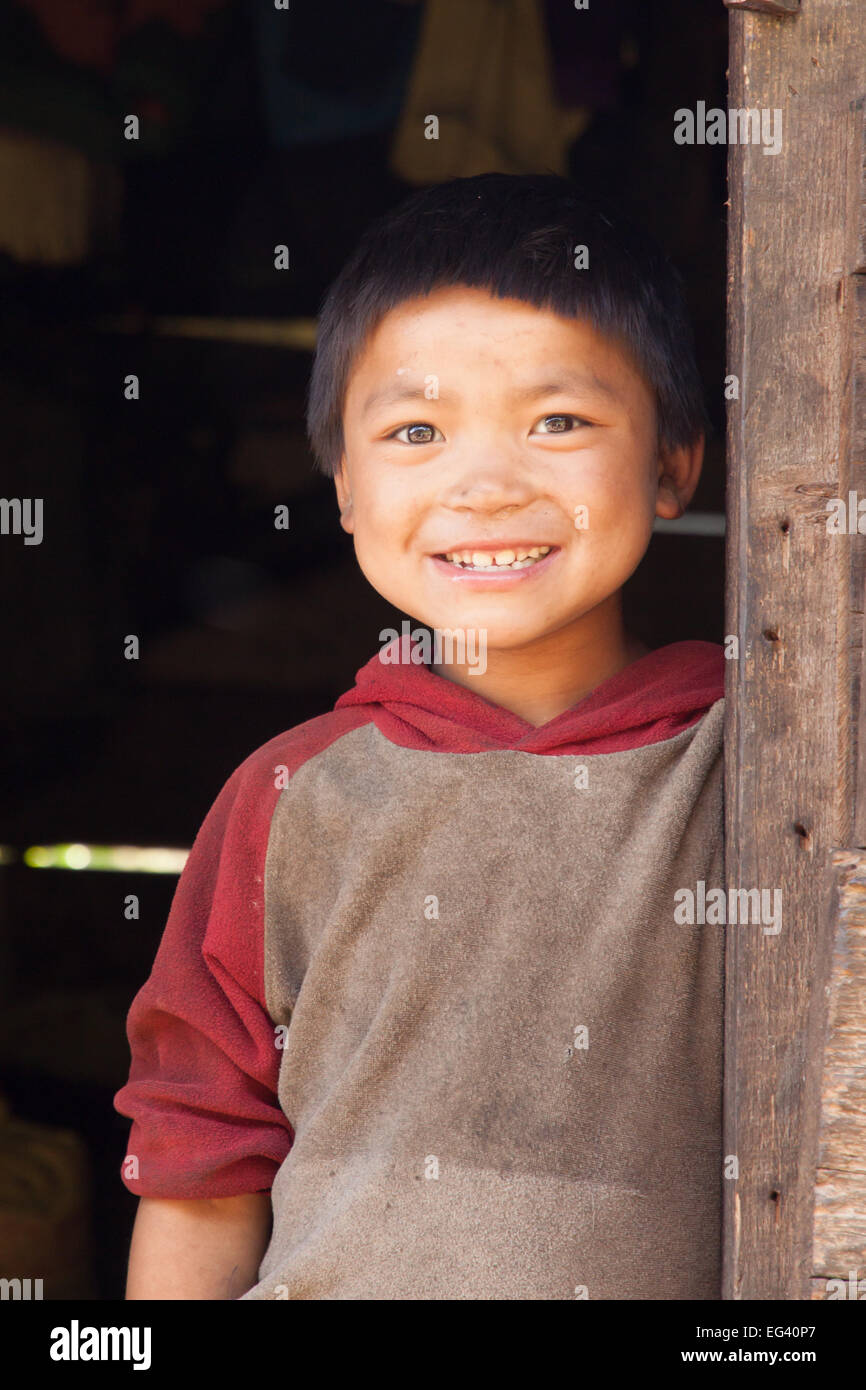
x: 493, y: 576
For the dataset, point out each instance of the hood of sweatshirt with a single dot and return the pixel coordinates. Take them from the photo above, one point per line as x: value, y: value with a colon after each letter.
x: 654, y: 698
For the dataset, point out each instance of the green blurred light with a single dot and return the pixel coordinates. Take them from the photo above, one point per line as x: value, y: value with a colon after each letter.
x: 134, y: 859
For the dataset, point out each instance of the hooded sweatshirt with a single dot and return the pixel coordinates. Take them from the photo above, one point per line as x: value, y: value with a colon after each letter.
x: 423, y: 982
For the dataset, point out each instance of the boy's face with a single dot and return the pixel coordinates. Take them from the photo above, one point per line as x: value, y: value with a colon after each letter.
x: 486, y: 426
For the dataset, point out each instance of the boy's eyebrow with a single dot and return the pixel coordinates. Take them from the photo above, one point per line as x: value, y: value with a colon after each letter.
x: 565, y: 384
x: 391, y: 395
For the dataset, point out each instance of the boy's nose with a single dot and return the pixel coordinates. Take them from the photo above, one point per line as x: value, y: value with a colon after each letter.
x: 489, y: 485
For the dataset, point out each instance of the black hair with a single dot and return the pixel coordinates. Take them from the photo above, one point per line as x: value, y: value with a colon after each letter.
x: 516, y: 236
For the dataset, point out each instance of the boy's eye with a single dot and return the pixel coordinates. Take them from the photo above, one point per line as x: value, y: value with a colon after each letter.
x: 558, y: 424
x: 417, y: 434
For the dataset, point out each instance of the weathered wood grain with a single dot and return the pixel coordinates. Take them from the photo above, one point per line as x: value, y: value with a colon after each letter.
x: 853, y: 445
x: 840, y: 1187
x: 768, y: 6
x: 791, y: 768
x: 857, y: 179
x: 853, y: 1288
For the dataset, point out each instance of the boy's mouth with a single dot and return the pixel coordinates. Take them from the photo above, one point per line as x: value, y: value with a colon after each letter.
x: 490, y: 566
x: 502, y: 558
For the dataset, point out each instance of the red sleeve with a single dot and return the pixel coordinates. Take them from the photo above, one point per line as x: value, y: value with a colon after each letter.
x: 202, y: 1087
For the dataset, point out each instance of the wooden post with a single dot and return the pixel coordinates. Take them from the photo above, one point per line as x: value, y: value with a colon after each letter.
x: 840, y: 1190
x: 795, y: 600
x: 768, y: 6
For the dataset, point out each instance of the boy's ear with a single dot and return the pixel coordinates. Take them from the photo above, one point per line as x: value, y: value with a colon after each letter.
x: 344, y: 496
x: 678, y: 472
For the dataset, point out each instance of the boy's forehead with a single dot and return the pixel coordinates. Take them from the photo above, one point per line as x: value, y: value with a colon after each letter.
x: 460, y: 309
x: 471, y: 329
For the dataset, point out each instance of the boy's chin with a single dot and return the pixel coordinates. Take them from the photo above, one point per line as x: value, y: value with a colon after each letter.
x: 495, y: 637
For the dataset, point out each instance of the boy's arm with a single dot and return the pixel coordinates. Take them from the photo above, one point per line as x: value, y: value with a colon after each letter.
x: 203, y: 1084
x: 206, y: 1248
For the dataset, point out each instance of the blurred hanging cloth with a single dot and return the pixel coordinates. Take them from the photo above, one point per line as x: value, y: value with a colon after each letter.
x: 335, y: 71
x: 87, y: 32
x: 70, y: 71
x: 483, y: 70
x: 56, y: 206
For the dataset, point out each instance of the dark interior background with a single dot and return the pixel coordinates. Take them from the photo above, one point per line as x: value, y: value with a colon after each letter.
x: 257, y: 128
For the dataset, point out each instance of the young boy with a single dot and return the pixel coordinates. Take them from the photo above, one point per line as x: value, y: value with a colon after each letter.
x: 423, y: 1024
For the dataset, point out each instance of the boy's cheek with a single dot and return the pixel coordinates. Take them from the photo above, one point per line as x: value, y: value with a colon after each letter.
x: 387, y: 565
x: 605, y: 513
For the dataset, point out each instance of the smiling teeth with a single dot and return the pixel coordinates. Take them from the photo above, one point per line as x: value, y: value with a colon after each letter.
x: 502, y: 559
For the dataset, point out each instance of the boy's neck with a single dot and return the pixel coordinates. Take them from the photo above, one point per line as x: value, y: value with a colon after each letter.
x: 540, y: 681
